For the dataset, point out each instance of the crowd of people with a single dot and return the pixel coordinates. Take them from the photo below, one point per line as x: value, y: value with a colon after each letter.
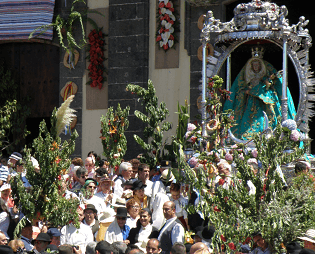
x: 134, y: 210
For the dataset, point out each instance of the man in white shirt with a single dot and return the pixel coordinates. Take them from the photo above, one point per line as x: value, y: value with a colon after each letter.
x: 172, y: 231
x: 77, y: 236
x: 125, y: 170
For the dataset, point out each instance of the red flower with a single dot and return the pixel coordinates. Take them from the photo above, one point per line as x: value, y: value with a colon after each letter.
x: 161, y: 5
x: 232, y: 246
x: 59, y: 177
x: 223, y: 239
x: 216, y: 209
x: 165, y: 47
x: 247, y: 240
x: 158, y: 38
x: 168, y: 5
x: 221, y: 181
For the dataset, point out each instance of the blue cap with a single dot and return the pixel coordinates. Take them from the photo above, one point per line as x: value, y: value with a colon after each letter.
x: 53, y: 232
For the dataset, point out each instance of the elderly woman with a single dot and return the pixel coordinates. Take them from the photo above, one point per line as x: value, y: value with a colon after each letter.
x: 118, y: 231
x: 133, y: 208
x: 144, y: 230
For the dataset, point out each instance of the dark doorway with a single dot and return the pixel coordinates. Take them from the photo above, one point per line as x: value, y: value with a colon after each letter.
x: 35, y: 68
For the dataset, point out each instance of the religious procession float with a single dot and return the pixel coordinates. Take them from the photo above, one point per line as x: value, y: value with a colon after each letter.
x: 249, y: 125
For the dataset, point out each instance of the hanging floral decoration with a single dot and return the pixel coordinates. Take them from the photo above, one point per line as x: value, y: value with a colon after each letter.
x: 96, y: 43
x: 168, y: 25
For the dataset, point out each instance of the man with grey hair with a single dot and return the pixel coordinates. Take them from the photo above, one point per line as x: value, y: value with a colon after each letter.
x: 125, y: 170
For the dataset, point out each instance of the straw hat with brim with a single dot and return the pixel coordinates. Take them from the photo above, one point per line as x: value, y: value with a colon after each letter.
x: 167, y: 176
x: 121, y: 212
x: 120, y: 202
x: 107, y: 217
x: 138, y: 185
x: 309, y: 236
x: 90, y: 207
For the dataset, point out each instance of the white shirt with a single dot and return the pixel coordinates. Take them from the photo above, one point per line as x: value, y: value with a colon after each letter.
x: 118, y: 189
x: 178, y: 231
x: 157, y: 214
x: 98, y: 202
x: 4, y: 223
x: 180, y: 205
x: 132, y: 223
x: 148, y: 188
x: 158, y: 187
x: 113, y: 233
x: 73, y: 236
x: 144, y: 233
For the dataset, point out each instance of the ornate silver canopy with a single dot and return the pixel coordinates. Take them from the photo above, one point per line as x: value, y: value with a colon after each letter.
x: 266, y: 21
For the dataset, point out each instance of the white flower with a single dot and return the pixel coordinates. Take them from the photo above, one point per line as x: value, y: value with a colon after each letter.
x: 168, y: 25
x: 161, y: 43
x: 172, y: 17
x: 163, y: 10
x: 168, y: 12
x: 165, y: 36
x: 170, y: 43
x: 164, y: 22
x: 171, y: 30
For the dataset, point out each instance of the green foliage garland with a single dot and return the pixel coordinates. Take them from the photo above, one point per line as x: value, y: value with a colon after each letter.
x: 44, y: 200
x: 114, y: 141
x: 155, y: 122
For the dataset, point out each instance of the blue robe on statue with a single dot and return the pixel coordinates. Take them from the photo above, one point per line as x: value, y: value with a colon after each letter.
x: 250, y: 96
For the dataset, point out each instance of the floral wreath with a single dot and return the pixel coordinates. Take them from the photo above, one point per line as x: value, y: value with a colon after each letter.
x: 167, y: 25
x: 96, y: 57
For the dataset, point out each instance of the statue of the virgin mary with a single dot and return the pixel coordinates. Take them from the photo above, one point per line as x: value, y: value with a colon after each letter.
x: 257, y: 88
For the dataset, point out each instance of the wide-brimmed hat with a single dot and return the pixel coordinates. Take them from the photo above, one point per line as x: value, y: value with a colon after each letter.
x: 90, y: 207
x: 167, y: 175
x: 43, y: 237
x: 205, y: 233
x: 121, y: 212
x: 309, y: 236
x: 120, y: 202
x: 107, y: 216
x: 138, y: 185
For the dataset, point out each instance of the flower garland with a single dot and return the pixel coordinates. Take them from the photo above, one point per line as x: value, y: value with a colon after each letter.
x: 167, y: 25
x: 96, y: 57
